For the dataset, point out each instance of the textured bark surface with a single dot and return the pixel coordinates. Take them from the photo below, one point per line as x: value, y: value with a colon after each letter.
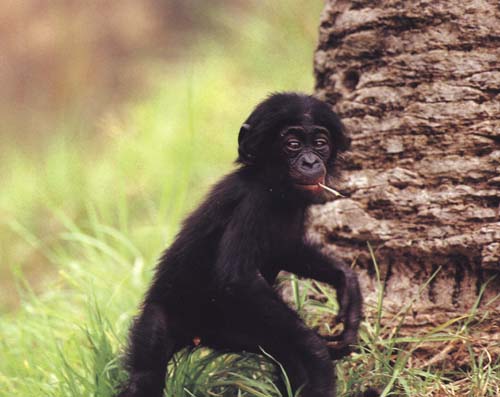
x: 417, y: 84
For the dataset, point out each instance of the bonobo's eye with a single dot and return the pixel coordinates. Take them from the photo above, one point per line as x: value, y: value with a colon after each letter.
x: 320, y: 143
x: 293, y: 144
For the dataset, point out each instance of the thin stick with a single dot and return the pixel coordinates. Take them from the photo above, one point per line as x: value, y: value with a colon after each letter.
x: 329, y: 189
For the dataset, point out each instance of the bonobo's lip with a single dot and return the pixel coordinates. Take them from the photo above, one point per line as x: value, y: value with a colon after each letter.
x: 310, y: 187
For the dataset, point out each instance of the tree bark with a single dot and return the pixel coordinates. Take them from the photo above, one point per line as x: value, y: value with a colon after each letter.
x: 417, y: 85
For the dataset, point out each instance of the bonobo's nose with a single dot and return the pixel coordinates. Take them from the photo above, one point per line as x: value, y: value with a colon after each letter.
x: 310, y: 161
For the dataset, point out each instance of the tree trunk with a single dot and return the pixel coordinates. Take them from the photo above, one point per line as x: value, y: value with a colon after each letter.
x: 417, y: 85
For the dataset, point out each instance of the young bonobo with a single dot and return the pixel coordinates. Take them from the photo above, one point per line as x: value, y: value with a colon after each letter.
x: 215, y: 281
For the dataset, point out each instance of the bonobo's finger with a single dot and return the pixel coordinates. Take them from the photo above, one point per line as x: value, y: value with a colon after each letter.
x: 332, y: 338
x: 338, y: 350
x: 343, y: 301
x: 345, y: 307
x: 352, y: 319
x: 348, y: 294
x: 342, y: 345
x: 349, y: 337
x: 351, y: 301
x: 349, y: 298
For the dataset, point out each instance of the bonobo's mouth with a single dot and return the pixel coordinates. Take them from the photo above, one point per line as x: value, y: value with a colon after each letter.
x: 312, y: 186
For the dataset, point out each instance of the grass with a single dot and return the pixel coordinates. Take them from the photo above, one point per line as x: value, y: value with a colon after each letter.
x: 398, y: 364
x: 84, y: 218
x: 67, y: 341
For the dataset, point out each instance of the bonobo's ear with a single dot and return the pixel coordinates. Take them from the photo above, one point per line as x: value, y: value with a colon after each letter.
x: 245, y: 153
x: 243, y: 133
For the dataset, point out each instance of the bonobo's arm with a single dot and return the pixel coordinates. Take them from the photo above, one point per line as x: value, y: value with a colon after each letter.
x: 311, y: 263
x: 254, y: 314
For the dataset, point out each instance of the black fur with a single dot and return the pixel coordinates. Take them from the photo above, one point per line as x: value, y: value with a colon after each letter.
x: 215, y: 281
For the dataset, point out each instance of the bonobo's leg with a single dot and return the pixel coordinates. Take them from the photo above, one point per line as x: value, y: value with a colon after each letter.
x: 151, y: 346
x: 254, y: 316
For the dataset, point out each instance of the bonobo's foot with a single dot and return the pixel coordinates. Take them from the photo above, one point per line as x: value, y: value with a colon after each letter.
x: 133, y: 392
x: 143, y: 385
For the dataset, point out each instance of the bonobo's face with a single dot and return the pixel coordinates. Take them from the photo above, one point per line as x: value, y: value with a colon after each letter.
x: 292, y: 141
x: 306, y: 149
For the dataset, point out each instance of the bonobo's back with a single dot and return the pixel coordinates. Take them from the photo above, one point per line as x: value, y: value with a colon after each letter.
x: 185, y: 267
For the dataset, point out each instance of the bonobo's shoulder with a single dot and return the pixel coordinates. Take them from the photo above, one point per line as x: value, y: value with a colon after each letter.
x: 236, y: 190
x: 223, y: 197
x: 230, y: 188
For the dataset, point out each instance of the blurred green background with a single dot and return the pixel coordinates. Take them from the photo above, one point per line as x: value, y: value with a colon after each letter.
x: 116, y: 117
x: 125, y: 112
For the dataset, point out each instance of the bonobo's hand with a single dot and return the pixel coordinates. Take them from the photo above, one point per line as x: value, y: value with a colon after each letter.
x: 350, y: 302
x: 338, y: 348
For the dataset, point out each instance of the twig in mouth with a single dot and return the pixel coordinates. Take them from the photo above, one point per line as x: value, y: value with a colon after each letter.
x: 329, y: 189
